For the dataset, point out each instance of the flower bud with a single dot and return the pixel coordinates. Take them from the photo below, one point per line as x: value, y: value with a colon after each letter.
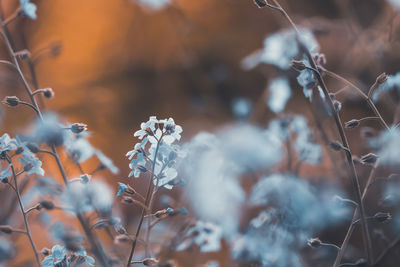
x: 351, y: 124
x: 369, y: 159
x: 45, y: 251
x: 122, y: 239
x: 6, y: 229
x: 298, y: 65
x: 46, y: 204
x: 127, y: 200
x: 48, y: 93
x: 335, y: 145
x: 23, y: 54
x: 381, y: 79
x: 85, y: 178
x: 33, y: 147
x: 78, y: 128
x: 337, y: 105
x: 260, y: 3
x: 382, y: 217
x: 150, y: 262
x: 314, y: 242
x: 11, y: 101
x: 29, y: 166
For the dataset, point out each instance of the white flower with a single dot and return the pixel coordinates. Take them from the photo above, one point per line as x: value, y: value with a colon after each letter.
x: 281, y: 48
x: 28, y: 8
x: 280, y: 93
x: 204, y: 234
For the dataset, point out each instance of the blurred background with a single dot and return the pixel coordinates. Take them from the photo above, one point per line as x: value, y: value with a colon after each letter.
x: 114, y: 63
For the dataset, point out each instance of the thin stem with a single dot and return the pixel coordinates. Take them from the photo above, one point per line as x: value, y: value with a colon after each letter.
x: 364, y: 95
x: 29, y: 105
x: 352, y: 226
x: 32, y: 208
x: 383, y: 253
x: 352, y: 170
x: 95, y: 248
x: 148, y: 195
x: 13, y: 17
x: 21, y: 206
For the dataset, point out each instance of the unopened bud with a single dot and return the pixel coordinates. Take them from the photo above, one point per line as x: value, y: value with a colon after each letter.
x: 382, y: 217
x: 48, y: 93
x: 45, y: 251
x: 33, y: 147
x: 314, y: 242
x: 29, y: 166
x: 369, y: 159
x: 127, y: 200
x: 335, y: 145
x: 260, y: 3
x: 381, y: 79
x: 351, y: 124
x: 298, y: 65
x: 23, y: 54
x: 46, y: 204
x: 150, y: 262
x: 11, y: 101
x: 6, y: 229
x: 122, y: 239
x: 337, y: 105
x: 85, y: 178
x: 78, y: 128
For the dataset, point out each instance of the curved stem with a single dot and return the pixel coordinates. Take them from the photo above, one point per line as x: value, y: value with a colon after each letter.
x: 21, y: 206
x: 352, y: 226
x: 363, y: 95
x: 97, y: 250
x: 352, y: 170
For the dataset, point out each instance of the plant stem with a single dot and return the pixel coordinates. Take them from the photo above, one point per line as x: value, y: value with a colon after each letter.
x: 147, y: 201
x: 352, y: 170
x: 94, y: 246
x: 352, y: 226
x: 21, y: 206
x: 364, y: 95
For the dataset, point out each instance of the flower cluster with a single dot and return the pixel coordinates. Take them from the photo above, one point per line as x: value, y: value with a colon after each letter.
x: 157, y: 151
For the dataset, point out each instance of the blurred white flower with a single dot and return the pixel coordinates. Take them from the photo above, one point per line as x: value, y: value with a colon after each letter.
x: 279, y: 94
